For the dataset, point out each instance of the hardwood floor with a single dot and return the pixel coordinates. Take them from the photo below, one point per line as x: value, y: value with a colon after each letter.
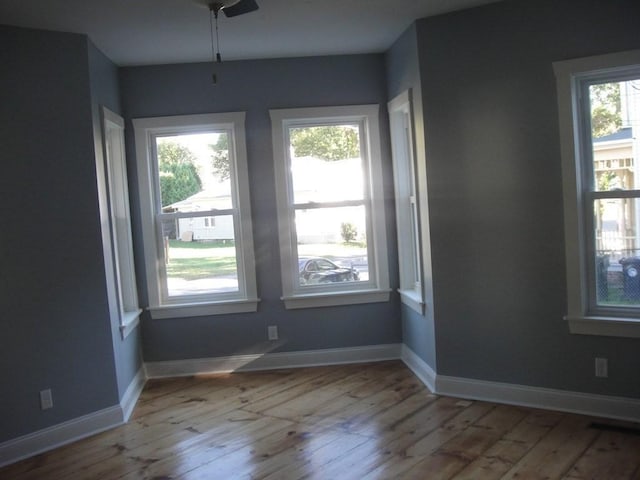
x: 373, y: 421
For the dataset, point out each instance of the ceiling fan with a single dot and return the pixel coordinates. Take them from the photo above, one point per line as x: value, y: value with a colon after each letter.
x: 231, y: 8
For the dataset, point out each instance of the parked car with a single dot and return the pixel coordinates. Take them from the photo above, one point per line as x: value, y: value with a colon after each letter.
x: 314, y: 270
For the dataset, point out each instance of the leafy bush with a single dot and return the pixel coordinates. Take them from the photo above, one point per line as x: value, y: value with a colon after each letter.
x: 348, y: 231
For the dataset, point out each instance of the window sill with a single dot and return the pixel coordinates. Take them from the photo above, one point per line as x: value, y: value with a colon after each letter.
x: 604, y: 326
x: 335, y: 299
x: 204, y: 309
x: 413, y: 300
x: 129, y: 322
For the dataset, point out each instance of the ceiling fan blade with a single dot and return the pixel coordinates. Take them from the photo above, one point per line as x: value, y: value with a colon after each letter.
x: 243, y: 6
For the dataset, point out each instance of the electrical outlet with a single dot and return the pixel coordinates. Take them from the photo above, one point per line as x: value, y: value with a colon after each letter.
x: 46, y: 399
x: 272, y: 332
x: 602, y: 367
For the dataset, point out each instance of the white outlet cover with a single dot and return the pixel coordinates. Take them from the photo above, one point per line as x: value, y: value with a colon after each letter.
x: 272, y: 332
x: 602, y: 369
x: 46, y: 399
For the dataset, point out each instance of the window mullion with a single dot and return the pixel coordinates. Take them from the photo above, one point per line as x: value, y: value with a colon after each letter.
x: 613, y: 194
x: 199, y: 213
x: 316, y: 205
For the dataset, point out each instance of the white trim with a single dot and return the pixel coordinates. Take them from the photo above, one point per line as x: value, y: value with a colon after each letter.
x: 619, y: 408
x: 569, y: 74
x: 295, y: 296
x: 130, y: 320
x: 146, y: 130
x: 413, y: 300
x: 202, y: 309
x: 604, y: 326
x: 272, y: 361
x: 58, y: 435
x: 351, y: 297
x: 132, y: 394
x: 119, y: 242
x: 419, y: 367
x: 407, y: 201
x: 73, y: 430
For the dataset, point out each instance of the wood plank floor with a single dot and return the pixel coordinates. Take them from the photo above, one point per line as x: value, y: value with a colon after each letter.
x: 373, y: 421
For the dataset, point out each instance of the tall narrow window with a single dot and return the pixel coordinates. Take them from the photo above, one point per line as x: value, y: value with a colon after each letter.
x: 330, y: 209
x: 599, y: 100
x: 614, y: 114
x: 404, y: 175
x: 120, y: 220
x: 193, y: 175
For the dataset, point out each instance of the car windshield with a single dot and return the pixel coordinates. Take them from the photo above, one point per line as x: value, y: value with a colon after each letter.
x: 325, y: 264
x: 316, y: 264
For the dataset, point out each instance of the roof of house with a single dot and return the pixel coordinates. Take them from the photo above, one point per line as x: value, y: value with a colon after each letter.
x: 622, y: 134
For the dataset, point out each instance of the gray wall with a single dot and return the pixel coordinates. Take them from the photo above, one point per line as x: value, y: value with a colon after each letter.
x: 256, y: 87
x: 495, y: 191
x: 487, y: 118
x: 105, y: 91
x: 55, y: 330
x: 403, y: 73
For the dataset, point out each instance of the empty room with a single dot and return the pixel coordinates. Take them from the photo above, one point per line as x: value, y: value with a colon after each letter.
x: 333, y: 239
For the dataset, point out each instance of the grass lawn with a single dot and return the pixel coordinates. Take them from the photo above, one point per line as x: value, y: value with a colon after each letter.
x: 179, y: 244
x: 616, y: 297
x: 199, y: 268
x: 198, y: 260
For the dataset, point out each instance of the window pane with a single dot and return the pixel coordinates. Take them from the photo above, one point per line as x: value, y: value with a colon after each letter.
x: 332, y: 245
x: 203, y: 266
x: 326, y: 164
x: 194, y: 172
x: 615, y: 113
x: 617, y: 268
x: 413, y: 253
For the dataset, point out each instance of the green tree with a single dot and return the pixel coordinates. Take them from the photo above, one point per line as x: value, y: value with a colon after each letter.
x: 348, y: 231
x: 605, y: 109
x: 220, y: 157
x: 334, y: 142
x: 178, y: 173
x: 606, y: 180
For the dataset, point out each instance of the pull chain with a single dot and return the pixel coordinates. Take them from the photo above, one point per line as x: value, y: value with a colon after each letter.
x: 215, y: 48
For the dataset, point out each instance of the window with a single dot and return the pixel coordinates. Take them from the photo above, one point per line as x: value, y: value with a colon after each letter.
x: 120, y: 221
x: 599, y: 107
x: 330, y: 206
x: 404, y: 175
x: 196, y: 216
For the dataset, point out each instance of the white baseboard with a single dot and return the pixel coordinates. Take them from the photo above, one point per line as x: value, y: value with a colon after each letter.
x: 58, y: 435
x: 619, y: 408
x: 522, y: 395
x: 52, y: 437
x: 131, y: 394
x: 419, y: 367
x: 55, y: 436
x: 271, y: 361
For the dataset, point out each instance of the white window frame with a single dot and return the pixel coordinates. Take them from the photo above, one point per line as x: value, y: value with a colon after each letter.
x: 406, y: 200
x: 376, y: 289
x: 120, y: 237
x: 246, y: 298
x: 572, y: 77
